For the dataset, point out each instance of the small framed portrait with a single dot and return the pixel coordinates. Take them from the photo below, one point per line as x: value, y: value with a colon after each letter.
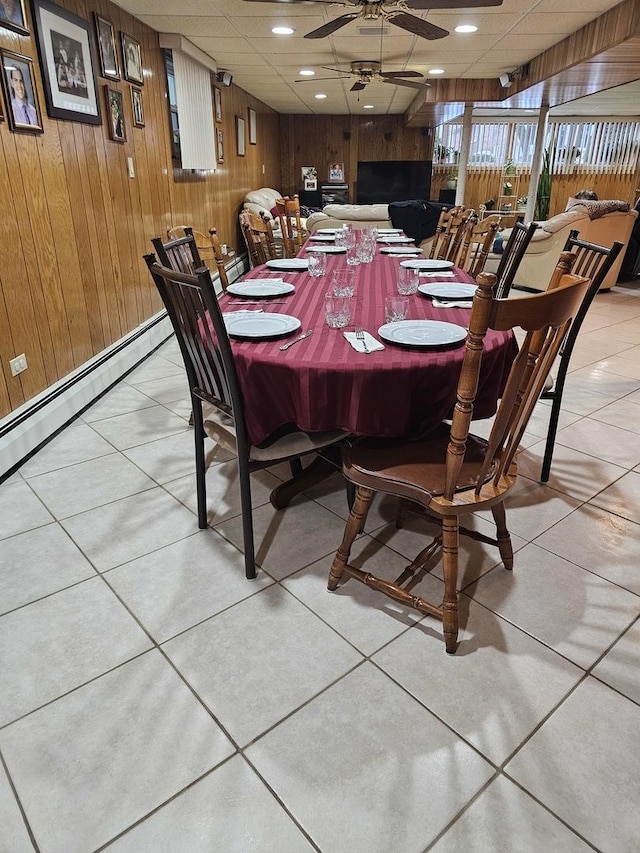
x: 309, y: 177
x: 115, y: 114
x: 217, y: 100
x: 106, y: 48
x: 137, y: 108
x: 13, y: 17
x: 220, y: 145
x: 336, y: 173
x: 253, y: 127
x: 23, y: 110
x: 131, y: 59
x: 240, y: 141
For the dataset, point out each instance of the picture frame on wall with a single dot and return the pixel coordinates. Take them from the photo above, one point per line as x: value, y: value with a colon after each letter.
x: 21, y: 97
x: 13, y: 17
x: 240, y: 140
x: 336, y: 173
x: 66, y: 58
x: 137, y: 107
x: 253, y: 127
x: 107, y: 53
x: 217, y: 102
x: 131, y: 59
x: 220, y: 145
x: 115, y: 114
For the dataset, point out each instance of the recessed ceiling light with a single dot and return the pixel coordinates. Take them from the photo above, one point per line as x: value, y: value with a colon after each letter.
x: 320, y: 96
x: 368, y: 106
x: 436, y: 71
x: 306, y: 72
x: 282, y: 31
x: 466, y: 28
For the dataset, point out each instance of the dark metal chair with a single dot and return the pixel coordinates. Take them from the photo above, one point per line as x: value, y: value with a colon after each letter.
x: 512, y: 255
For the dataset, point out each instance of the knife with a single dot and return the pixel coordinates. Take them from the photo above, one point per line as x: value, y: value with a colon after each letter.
x: 295, y: 340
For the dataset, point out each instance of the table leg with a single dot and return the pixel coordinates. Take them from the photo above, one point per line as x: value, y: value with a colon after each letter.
x: 321, y: 468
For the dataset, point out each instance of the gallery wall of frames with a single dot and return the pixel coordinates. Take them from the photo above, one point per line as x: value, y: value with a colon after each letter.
x: 83, y: 103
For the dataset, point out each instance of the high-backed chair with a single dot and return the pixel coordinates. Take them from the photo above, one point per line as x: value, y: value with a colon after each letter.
x: 180, y: 253
x: 192, y: 306
x: 258, y: 235
x: 444, y: 223
x: 476, y: 244
x: 209, y: 249
x: 593, y: 262
x: 293, y: 233
x: 451, y: 472
x: 512, y: 255
x: 451, y: 241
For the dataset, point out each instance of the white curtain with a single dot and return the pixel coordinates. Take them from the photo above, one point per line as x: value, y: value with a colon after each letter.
x: 195, y: 112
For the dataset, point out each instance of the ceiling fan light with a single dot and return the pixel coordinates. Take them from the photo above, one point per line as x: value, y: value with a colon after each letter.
x: 436, y: 71
x: 282, y: 31
x: 467, y: 28
x: 306, y: 72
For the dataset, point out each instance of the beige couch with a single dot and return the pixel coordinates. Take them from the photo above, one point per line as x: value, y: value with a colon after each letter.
x: 548, y: 241
x: 262, y: 201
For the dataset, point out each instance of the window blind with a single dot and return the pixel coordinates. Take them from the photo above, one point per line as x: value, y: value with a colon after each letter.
x: 195, y: 112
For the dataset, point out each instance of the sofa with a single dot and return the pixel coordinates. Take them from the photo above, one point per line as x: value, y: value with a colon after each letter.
x: 263, y: 201
x: 593, y: 224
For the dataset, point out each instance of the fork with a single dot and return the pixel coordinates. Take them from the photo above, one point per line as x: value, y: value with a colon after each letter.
x: 360, y: 337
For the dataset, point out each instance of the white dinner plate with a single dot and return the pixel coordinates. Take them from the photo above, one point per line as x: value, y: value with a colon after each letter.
x: 323, y: 238
x: 394, y: 238
x: 330, y: 250
x: 389, y: 230
x: 427, y: 264
x: 289, y: 264
x: 422, y: 333
x: 401, y: 250
x: 327, y: 230
x: 252, y: 324
x: 258, y: 287
x: 448, y: 291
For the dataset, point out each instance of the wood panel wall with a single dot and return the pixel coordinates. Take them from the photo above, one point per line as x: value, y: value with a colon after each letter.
x: 74, y: 226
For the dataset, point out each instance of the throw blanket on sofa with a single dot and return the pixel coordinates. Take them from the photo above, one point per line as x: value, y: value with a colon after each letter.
x: 417, y: 218
x: 596, y: 209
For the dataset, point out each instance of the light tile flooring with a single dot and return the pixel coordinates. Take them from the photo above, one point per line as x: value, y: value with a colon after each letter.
x: 151, y: 699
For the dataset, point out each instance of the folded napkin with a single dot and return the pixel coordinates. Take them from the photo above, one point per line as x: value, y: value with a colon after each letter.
x: 371, y: 342
x: 464, y: 303
x: 438, y: 274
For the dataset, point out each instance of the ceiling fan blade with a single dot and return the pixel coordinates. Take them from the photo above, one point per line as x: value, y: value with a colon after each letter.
x: 416, y: 26
x: 308, y: 2
x: 358, y: 86
x: 408, y: 83
x: 315, y: 79
x: 326, y: 29
x: 400, y: 74
x: 450, y: 4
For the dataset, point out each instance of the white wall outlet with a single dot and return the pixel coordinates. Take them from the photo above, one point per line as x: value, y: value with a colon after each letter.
x: 263, y: 169
x: 18, y: 364
x: 130, y: 170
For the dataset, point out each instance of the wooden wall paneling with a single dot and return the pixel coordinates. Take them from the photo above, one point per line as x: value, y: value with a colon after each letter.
x: 6, y: 352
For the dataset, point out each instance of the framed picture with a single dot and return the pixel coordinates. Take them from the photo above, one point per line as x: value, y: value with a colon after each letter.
x: 309, y: 177
x: 220, y: 144
x: 253, y: 127
x: 217, y: 100
x: 310, y: 184
x: 13, y: 17
x: 115, y: 114
x: 66, y: 59
x: 23, y: 110
x: 131, y: 59
x: 106, y: 48
x: 240, y: 136
x: 137, y: 109
x: 336, y: 173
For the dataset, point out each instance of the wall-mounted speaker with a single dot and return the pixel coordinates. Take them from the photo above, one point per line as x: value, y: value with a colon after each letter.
x: 224, y: 77
x: 505, y: 80
x: 346, y: 135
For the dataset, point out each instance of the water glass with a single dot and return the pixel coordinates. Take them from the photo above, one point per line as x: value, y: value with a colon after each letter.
x: 366, y: 247
x: 408, y: 281
x: 317, y: 263
x: 353, y: 256
x: 341, y: 238
x: 343, y: 282
x: 396, y: 308
x: 337, y: 310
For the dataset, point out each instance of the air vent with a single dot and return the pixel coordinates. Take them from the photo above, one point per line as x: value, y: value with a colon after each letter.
x: 373, y: 31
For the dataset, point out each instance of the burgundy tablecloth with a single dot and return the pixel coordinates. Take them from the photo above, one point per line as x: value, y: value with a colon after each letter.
x: 322, y: 383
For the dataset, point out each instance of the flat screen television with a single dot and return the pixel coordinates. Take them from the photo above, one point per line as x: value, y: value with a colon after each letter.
x: 382, y: 181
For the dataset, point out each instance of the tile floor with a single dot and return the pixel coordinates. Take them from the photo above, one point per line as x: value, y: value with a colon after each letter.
x: 151, y: 699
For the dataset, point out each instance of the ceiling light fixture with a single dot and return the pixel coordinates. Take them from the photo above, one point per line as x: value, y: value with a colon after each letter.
x: 368, y: 106
x: 436, y: 71
x: 466, y: 28
x: 282, y: 31
x: 320, y: 96
x: 306, y: 72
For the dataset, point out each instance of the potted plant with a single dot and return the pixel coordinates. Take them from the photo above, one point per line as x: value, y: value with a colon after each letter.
x: 452, y: 179
x: 509, y: 167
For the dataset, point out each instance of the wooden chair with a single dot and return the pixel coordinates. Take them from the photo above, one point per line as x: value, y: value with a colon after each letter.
x: 192, y: 305
x: 180, y: 254
x: 209, y: 249
x: 452, y: 473
x: 452, y: 238
x: 593, y: 262
x: 476, y: 244
x: 293, y: 233
x: 444, y: 223
x: 258, y: 235
x: 513, y: 253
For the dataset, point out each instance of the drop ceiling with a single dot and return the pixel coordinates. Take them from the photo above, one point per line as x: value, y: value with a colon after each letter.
x: 237, y: 35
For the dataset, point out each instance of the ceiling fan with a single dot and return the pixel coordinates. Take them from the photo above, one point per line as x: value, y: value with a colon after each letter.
x: 370, y: 70
x: 393, y: 11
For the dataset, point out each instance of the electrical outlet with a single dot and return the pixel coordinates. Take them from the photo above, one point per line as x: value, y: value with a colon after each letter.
x: 18, y: 364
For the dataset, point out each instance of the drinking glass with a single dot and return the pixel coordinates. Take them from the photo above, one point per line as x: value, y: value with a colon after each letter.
x: 353, y: 257
x: 408, y: 281
x: 317, y: 263
x: 337, y: 310
x: 341, y: 238
x: 366, y: 247
x: 343, y: 282
x: 396, y: 308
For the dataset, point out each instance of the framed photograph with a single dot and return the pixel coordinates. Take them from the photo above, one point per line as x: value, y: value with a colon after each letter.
x: 217, y: 100
x: 131, y: 59
x: 240, y: 136
x: 137, y: 109
x: 309, y: 177
x: 115, y: 114
x: 106, y: 48
x: 336, y: 173
x: 253, y: 127
x: 13, y: 17
x: 66, y: 59
x: 21, y: 98
x: 310, y: 184
x: 220, y: 145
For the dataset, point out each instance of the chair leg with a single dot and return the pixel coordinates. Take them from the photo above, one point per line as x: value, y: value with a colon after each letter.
x: 450, y: 569
x: 551, y: 438
x: 502, y: 535
x: 201, y: 470
x: 247, y: 521
x: 357, y: 518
